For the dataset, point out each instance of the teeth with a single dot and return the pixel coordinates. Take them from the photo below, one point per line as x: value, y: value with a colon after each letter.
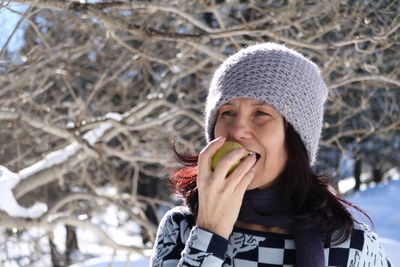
x: 257, y: 155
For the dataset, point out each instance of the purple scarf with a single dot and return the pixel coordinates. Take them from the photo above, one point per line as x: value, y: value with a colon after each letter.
x: 261, y: 206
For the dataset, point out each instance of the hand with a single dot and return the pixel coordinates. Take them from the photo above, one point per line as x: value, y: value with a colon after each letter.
x: 220, y: 198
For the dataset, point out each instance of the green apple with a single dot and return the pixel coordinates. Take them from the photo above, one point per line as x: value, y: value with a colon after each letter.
x: 228, y: 146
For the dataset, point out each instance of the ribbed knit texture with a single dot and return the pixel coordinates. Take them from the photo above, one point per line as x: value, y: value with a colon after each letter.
x: 279, y: 76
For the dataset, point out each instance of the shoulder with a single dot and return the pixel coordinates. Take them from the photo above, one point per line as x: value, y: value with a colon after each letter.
x: 172, y: 234
x: 177, y: 221
x: 361, y: 247
x: 363, y: 234
x: 359, y: 236
x: 178, y: 214
x: 372, y: 251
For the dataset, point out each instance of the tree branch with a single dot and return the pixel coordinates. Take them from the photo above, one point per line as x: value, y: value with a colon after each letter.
x: 364, y: 78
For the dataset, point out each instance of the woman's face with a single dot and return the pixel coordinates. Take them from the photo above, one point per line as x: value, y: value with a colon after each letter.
x: 259, y: 128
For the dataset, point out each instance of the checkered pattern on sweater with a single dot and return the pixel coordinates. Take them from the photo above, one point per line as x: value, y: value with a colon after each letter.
x: 180, y: 243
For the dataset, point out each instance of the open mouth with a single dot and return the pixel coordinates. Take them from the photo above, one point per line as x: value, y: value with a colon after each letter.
x: 258, y: 156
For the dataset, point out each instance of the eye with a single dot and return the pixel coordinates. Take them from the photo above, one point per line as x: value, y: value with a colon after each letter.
x: 262, y: 113
x: 227, y: 113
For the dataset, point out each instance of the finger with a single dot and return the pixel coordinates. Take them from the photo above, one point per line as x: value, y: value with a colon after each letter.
x: 204, y: 161
x: 227, y: 161
x: 241, y: 170
x: 241, y: 187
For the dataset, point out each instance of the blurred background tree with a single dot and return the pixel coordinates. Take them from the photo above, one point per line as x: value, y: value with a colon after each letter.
x: 98, y: 90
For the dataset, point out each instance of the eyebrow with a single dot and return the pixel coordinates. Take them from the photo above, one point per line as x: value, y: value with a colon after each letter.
x: 254, y: 104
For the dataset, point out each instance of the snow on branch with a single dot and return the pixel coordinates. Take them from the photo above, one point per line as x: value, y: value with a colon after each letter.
x: 14, y: 185
x: 9, y: 204
x: 55, y: 164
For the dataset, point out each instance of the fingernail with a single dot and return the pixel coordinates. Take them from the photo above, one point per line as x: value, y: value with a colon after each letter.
x: 219, y: 139
x: 241, y: 150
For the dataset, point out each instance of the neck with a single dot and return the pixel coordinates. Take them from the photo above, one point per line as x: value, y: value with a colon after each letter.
x: 258, y: 227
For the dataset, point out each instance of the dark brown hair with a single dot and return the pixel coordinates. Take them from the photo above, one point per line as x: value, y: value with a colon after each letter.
x: 310, y: 195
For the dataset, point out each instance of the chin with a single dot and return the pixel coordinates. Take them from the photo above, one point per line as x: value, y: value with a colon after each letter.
x: 256, y: 184
x: 253, y: 185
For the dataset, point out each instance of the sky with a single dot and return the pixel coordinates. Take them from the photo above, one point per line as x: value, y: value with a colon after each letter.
x: 8, y: 21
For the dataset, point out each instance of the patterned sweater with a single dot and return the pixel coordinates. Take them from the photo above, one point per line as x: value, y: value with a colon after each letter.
x: 180, y: 243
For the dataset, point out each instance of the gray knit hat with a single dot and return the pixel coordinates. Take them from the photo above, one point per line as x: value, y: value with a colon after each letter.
x: 279, y: 76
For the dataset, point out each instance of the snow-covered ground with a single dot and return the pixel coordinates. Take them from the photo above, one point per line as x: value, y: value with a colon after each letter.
x: 381, y: 203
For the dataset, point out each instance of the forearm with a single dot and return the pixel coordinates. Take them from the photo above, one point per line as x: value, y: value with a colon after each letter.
x: 203, y: 248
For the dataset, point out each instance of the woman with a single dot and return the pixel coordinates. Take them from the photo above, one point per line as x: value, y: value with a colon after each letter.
x: 272, y: 210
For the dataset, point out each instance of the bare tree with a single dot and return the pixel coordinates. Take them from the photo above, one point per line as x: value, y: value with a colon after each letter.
x: 108, y: 85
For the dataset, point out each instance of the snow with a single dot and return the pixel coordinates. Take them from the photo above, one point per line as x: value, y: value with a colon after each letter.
x: 376, y: 202
x: 51, y: 159
x: 95, y: 134
x: 381, y: 204
x: 132, y: 261
x: 9, y: 204
x: 9, y: 179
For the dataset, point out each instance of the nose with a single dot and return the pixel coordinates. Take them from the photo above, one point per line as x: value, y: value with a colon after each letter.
x: 239, y: 128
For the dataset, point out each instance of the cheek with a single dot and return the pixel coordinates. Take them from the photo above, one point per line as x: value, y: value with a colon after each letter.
x: 274, y: 143
x: 280, y: 148
x: 218, y: 129
x: 274, y: 136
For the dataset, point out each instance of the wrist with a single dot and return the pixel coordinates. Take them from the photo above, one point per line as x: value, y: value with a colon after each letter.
x: 221, y: 231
